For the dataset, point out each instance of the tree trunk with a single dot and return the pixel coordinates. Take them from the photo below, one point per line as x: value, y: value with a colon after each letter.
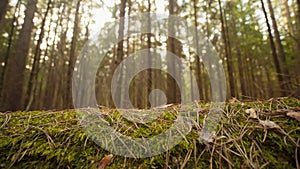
x: 171, y: 85
x: 298, y: 11
x: 281, y: 54
x: 14, y: 78
x: 8, y: 51
x: 227, y: 53
x: 273, y: 48
x: 32, y: 83
x: 3, y: 7
x: 288, y: 17
x: 239, y: 56
x: 120, y: 52
x: 51, y: 82
x: 149, y: 72
x: 198, y: 64
x: 72, y: 57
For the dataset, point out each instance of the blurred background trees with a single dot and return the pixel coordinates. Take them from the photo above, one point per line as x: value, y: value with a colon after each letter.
x: 258, y: 43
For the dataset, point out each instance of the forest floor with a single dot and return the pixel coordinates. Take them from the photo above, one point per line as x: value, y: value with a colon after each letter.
x: 260, y: 134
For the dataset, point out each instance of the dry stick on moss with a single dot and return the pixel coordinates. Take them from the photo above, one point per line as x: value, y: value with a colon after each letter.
x: 27, y: 149
x: 167, y: 159
x: 296, y: 155
x: 264, y: 165
x: 244, y: 155
x: 16, y: 156
x: 50, y: 140
x: 203, y: 151
x: 64, y: 154
x: 125, y: 162
x: 131, y: 153
x: 261, y: 152
x: 186, y: 158
x: 7, y: 119
x: 42, y: 114
x: 272, y: 125
x: 223, y: 148
x: 195, y: 152
x: 211, y: 156
x: 227, y: 156
x: 85, y: 141
x: 252, y: 156
x: 226, y: 159
x: 250, y: 161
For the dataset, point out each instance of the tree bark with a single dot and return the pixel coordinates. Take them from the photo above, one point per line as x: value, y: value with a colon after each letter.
x: 32, y: 83
x: 273, y: 48
x: 3, y: 7
x: 8, y: 51
x: 14, y: 78
x: 149, y: 72
x: 120, y: 51
x: 72, y: 57
x: 171, y: 85
x: 281, y: 54
x: 198, y: 64
x: 227, y: 53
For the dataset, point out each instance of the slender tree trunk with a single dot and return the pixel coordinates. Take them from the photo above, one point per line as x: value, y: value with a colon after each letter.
x: 198, y: 64
x: 32, y: 83
x: 45, y: 73
x: 298, y: 12
x: 171, y: 85
x: 72, y: 57
x: 273, y: 49
x: 8, y: 51
x: 15, y: 75
x: 288, y: 17
x: 129, y: 48
x: 281, y: 54
x: 51, y: 83
x: 120, y: 51
x: 149, y: 72
x: 241, y: 73
x: 227, y: 52
x: 3, y: 7
x: 239, y: 58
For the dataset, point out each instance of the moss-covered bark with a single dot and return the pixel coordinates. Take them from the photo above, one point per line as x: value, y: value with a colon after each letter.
x: 56, y: 139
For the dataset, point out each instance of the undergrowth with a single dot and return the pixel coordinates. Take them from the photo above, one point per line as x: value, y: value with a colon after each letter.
x: 49, y: 139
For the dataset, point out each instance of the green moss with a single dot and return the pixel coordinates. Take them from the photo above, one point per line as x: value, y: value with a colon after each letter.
x: 56, y: 140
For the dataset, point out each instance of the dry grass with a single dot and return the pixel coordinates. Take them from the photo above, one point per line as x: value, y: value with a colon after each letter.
x: 56, y: 139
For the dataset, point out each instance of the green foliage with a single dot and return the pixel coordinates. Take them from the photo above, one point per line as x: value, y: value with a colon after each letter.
x: 56, y: 140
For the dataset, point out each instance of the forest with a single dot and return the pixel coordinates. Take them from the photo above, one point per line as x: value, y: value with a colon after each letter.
x: 257, y: 42
x: 149, y: 84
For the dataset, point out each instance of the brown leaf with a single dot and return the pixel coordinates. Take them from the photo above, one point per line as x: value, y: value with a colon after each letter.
x: 252, y: 113
x: 267, y: 124
x: 233, y: 100
x: 163, y: 107
x: 105, y: 161
x: 295, y: 115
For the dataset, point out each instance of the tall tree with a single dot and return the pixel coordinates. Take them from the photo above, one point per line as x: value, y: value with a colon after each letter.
x: 227, y: 51
x: 120, y: 49
x: 149, y: 72
x: 273, y: 47
x: 171, y: 85
x: 32, y: 82
x: 14, y: 78
x: 3, y: 7
x: 8, y: 49
x: 72, y: 57
x: 198, y: 64
x: 298, y: 10
x: 281, y: 54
